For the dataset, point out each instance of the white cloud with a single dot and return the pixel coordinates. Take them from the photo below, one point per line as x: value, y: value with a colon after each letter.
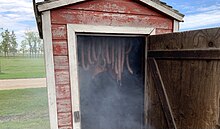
x: 202, y: 17
x: 17, y: 15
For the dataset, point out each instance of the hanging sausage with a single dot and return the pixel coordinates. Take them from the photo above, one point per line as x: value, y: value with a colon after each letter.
x: 104, y: 55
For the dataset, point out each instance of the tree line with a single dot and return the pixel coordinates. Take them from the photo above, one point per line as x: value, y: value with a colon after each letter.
x: 31, y: 44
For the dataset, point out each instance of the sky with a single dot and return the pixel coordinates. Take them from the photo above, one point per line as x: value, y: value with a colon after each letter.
x: 199, y: 14
x: 18, y: 15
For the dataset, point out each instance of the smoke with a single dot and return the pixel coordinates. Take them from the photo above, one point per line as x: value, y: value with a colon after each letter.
x: 105, y: 102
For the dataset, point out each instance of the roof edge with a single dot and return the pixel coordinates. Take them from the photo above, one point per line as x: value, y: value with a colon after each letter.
x: 164, y: 9
x: 48, y: 5
x: 44, y: 6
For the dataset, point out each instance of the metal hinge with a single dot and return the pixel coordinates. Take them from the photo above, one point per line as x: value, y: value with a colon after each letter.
x: 77, y: 116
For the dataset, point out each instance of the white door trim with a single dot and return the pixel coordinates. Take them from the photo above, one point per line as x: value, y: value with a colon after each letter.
x: 72, y: 30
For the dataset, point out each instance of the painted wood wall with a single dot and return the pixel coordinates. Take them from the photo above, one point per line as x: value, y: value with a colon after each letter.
x: 96, y: 12
x: 192, y: 85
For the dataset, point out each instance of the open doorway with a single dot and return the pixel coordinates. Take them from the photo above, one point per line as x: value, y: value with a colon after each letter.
x: 111, y: 81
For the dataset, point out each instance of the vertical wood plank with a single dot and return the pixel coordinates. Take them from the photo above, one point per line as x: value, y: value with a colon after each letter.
x: 155, y: 118
x: 192, y: 85
x: 161, y: 91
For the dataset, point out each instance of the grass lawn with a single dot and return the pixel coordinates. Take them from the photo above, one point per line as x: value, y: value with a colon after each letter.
x: 24, y: 109
x: 21, y: 67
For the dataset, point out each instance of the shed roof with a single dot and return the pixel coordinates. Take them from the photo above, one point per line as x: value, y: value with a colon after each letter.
x: 52, y: 4
x: 157, y: 4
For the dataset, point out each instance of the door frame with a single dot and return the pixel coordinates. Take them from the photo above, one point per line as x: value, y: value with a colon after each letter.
x: 76, y: 29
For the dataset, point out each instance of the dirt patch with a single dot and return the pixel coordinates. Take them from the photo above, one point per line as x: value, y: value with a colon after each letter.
x: 22, y: 83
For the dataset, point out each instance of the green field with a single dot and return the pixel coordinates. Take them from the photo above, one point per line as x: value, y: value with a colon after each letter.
x: 24, y: 109
x: 21, y: 67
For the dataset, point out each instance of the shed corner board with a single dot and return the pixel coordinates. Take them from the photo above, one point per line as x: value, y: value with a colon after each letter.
x: 50, y: 69
x: 176, y: 26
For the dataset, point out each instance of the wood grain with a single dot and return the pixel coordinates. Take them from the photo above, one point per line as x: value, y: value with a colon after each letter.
x: 95, y: 12
x: 63, y: 16
x: 187, y: 54
x: 60, y: 48
x: 192, y: 86
x: 113, y: 6
x: 48, y: 47
x: 162, y: 94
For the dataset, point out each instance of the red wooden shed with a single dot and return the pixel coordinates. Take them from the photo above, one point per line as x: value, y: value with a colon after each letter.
x: 70, y: 29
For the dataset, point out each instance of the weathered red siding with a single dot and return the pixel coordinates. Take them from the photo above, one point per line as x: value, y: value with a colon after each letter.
x: 60, y: 48
x: 96, y: 12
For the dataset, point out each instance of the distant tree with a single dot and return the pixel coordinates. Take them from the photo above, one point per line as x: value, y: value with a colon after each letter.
x: 33, y: 41
x: 23, y: 46
x: 29, y: 36
x: 1, y: 48
x: 13, y: 43
x: 8, y: 43
x: 41, y: 47
x: 5, y: 44
x: 37, y: 43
